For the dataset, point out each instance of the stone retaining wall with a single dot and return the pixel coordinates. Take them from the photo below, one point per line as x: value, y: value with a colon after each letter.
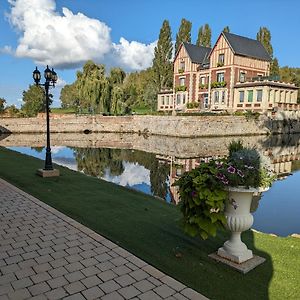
x: 179, y: 126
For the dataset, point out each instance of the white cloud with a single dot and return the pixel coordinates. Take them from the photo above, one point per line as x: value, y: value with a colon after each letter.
x: 67, y: 40
x: 133, y: 174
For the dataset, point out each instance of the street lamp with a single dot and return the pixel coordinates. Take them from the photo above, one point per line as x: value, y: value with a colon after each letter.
x: 50, y: 80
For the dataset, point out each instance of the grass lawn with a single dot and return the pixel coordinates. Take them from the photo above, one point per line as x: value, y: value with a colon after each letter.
x: 150, y: 229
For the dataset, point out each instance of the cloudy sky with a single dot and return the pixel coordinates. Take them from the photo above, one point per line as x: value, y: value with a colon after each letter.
x: 66, y: 33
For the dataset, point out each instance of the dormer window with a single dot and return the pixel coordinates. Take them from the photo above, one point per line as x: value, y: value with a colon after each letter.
x: 221, y: 60
x: 181, y: 67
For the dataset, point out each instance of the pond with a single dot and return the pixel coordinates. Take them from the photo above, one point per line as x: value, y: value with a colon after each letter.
x: 152, y: 165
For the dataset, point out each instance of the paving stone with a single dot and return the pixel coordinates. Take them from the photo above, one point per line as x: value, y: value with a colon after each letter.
x: 40, y: 277
x: 105, y: 266
x: 89, y: 262
x: 109, y: 286
x: 112, y: 296
x: 74, y: 276
x: 119, y: 261
x: 139, y: 275
x: 58, y: 272
x: 178, y: 296
x: 57, y: 282
x: 91, y: 281
x: 92, y: 270
x: 124, y: 280
x: 74, y: 287
x: 92, y: 293
x: 55, y: 294
x: 121, y: 270
x: 192, y: 295
x: 164, y: 291
x: 174, y: 284
x: 144, y: 285
x: 19, y: 294
x: 22, y: 283
x: 39, y: 288
x: 153, y: 271
x: 7, y: 278
x: 150, y: 295
x: 42, y: 268
x: 107, y: 275
x: 76, y: 266
x: 58, y: 263
x: 129, y: 292
x: 76, y: 296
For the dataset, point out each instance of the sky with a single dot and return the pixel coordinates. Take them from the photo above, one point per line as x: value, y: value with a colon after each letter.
x: 66, y: 33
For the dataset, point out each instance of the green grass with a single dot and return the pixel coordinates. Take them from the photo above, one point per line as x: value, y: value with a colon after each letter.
x: 150, y: 229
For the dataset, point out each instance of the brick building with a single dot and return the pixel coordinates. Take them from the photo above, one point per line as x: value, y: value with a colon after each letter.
x: 231, y: 76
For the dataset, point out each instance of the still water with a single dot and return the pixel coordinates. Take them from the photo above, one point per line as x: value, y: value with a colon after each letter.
x: 161, y: 161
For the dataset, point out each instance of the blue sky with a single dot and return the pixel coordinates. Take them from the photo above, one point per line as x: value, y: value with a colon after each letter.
x: 123, y: 33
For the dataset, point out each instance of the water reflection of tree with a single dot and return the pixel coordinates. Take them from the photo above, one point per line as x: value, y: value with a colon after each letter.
x: 159, y: 170
x: 94, y: 162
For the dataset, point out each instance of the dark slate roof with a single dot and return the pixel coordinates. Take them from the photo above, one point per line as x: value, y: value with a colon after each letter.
x: 246, y: 47
x: 198, y: 54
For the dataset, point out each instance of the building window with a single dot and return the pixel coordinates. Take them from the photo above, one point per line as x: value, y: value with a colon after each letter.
x: 216, y: 97
x: 162, y: 100
x: 167, y: 100
x: 202, y: 80
x: 221, y: 59
x: 181, y: 67
x: 181, y: 81
x: 178, y: 99
x: 242, y: 76
x: 259, y: 95
x: 183, y: 98
x: 250, y: 96
x: 242, y: 96
x: 223, y: 97
x: 220, y: 77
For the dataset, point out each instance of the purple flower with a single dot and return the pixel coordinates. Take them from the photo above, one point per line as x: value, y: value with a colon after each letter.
x: 240, y: 173
x: 220, y: 176
x: 231, y: 170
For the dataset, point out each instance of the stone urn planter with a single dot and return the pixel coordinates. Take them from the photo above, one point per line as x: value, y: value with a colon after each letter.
x: 239, y: 219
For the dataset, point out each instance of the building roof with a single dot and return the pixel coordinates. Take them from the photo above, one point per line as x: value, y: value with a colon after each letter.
x: 197, y: 54
x: 244, y: 46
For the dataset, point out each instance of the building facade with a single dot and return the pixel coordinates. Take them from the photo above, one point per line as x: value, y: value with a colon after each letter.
x: 231, y: 76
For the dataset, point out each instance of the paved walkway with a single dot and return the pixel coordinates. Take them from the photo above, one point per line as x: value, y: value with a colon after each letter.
x: 47, y: 255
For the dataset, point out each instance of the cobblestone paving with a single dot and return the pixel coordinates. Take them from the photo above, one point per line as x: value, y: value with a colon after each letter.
x: 47, y: 255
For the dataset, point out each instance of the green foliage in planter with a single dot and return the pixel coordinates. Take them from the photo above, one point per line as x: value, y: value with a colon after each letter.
x: 217, y: 84
x: 220, y: 64
x: 180, y: 71
x: 202, y: 198
x: 191, y: 105
x: 203, y: 191
x: 180, y: 88
x: 203, y: 86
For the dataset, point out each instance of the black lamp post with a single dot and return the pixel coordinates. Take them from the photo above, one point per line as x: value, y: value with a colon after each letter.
x: 50, y: 80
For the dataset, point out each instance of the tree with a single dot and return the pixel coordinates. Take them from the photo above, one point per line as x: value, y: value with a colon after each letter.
x: 184, y: 33
x: 264, y: 36
x: 2, y: 104
x: 204, y: 36
x: 69, y: 96
x: 162, y: 64
x: 274, y: 68
x: 93, y: 88
x: 226, y: 29
x: 34, y: 101
x: 117, y: 76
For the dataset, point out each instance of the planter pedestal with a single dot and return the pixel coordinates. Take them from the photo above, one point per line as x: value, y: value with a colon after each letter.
x: 239, y: 219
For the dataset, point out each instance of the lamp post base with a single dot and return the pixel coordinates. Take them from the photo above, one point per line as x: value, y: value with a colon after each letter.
x: 47, y: 173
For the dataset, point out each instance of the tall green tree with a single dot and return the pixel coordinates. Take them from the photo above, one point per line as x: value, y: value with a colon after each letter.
x: 2, y: 104
x: 274, y: 68
x: 184, y: 33
x: 226, y: 29
x: 117, y: 76
x: 93, y: 88
x: 204, y: 36
x: 34, y: 100
x: 162, y: 64
x: 264, y: 36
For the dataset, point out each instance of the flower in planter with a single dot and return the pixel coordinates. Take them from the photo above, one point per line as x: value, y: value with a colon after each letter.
x: 204, y: 190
